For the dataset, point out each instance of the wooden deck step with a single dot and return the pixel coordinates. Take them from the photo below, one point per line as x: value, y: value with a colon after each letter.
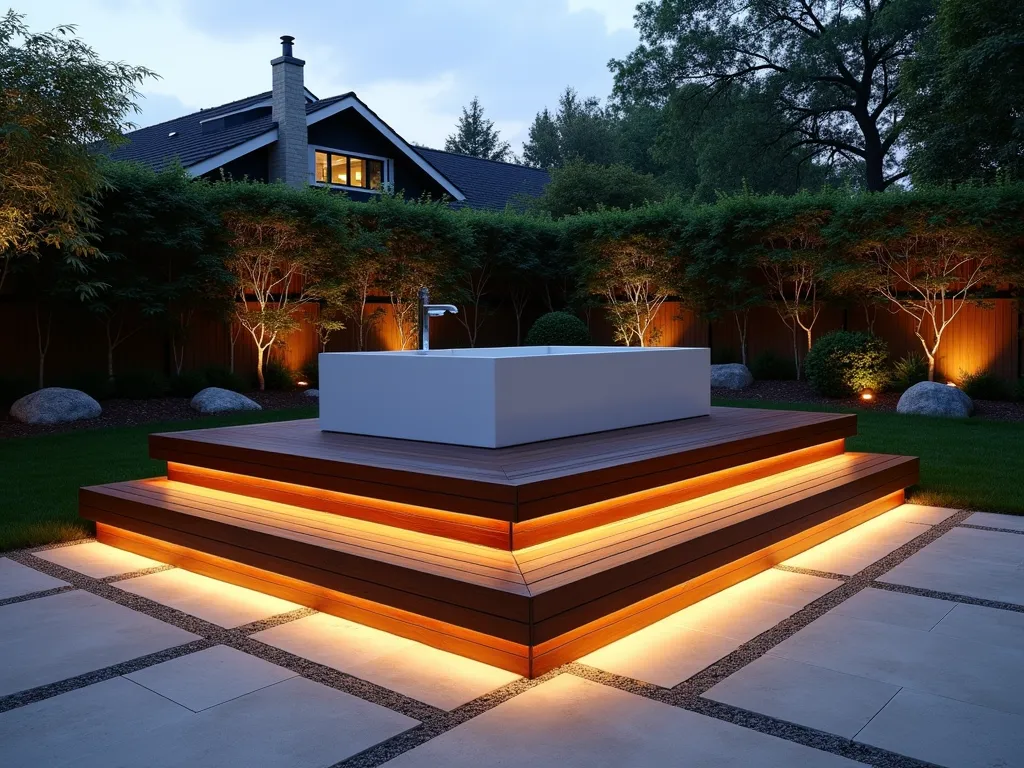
x: 526, y: 610
x: 514, y: 484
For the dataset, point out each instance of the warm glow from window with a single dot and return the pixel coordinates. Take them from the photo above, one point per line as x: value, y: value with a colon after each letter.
x: 348, y: 171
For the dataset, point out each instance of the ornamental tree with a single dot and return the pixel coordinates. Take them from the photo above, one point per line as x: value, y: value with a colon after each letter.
x: 57, y: 99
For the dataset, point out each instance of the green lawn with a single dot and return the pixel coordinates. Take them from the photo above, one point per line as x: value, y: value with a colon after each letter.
x: 970, y: 464
x: 965, y: 463
x: 40, y: 476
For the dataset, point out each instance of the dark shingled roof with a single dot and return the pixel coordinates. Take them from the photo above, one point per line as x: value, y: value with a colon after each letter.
x: 153, y: 146
x: 487, y: 183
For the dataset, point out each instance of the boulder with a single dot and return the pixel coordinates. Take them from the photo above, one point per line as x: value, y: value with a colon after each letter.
x: 54, y: 405
x: 731, y: 376
x: 312, y: 393
x: 217, y: 400
x: 929, y: 398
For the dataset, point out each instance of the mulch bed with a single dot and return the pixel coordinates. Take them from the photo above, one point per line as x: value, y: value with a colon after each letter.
x: 127, y: 413
x: 801, y: 392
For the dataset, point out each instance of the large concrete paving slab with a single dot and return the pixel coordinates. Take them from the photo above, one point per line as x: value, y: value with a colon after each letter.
x: 210, y: 677
x: 215, y: 601
x: 97, y: 560
x: 53, y: 638
x: 569, y: 722
x: 800, y: 693
x: 856, y: 549
x: 947, y: 732
x: 17, y: 580
x: 117, y: 723
x: 895, y: 608
x: 416, y: 670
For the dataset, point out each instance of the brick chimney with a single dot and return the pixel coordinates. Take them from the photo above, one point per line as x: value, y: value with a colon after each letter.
x: 288, y: 156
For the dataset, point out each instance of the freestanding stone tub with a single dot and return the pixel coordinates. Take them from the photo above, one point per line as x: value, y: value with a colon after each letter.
x: 492, y: 398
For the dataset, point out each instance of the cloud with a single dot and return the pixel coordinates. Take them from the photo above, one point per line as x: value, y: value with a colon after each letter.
x: 617, y: 14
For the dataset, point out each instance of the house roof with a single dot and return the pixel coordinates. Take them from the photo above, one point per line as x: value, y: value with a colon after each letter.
x: 484, y: 183
x: 487, y: 183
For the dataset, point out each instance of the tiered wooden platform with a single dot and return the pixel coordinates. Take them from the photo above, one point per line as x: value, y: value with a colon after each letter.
x: 524, y: 557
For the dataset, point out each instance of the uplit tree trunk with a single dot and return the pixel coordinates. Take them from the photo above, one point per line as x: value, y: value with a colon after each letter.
x: 43, y: 343
x: 178, y: 336
x: 115, y: 337
x: 794, y: 285
x: 742, y: 320
x: 520, y: 297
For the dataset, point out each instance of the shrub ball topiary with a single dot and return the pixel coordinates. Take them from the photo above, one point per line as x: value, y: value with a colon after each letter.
x: 843, y: 363
x: 558, y: 329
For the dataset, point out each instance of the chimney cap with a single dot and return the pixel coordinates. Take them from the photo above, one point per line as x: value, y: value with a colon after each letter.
x: 286, y: 45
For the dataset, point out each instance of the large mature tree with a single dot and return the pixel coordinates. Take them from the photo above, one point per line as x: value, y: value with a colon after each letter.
x: 580, y: 129
x: 964, y: 93
x: 56, y: 98
x: 476, y: 135
x: 833, y: 66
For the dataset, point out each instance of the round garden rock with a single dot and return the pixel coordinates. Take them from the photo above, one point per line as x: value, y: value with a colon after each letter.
x: 217, y: 400
x: 731, y: 376
x: 929, y: 398
x: 54, y: 405
x: 312, y: 393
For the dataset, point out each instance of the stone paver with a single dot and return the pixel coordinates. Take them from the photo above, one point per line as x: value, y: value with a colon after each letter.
x: 97, y: 560
x: 911, y: 611
x: 947, y: 732
x: 966, y: 561
x: 917, y: 513
x: 859, y: 547
x: 993, y: 520
x: 215, y: 601
x: 569, y: 722
x: 207, y: 678
x: 294, y: 723
x: 800, y: 693
x: 929, y: 662
x: 61, y: 636
x: 406, y: 666
x: 986, y: 625
x: 681, y: 645
x: 17, y: 580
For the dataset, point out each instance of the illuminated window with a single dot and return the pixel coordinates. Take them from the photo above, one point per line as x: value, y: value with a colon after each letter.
x: 337, y: 169
x: 358, y: 172
x: 321, y: 167
x: 374, y: 173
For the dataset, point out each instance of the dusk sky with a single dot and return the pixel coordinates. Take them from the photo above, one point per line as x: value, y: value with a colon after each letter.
x: 415, y: 62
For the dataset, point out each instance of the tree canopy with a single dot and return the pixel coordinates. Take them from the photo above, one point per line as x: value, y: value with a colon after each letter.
x: 832, y: 67
x: 58, y: 98
x: 476, y: 135
x: 964, y: 94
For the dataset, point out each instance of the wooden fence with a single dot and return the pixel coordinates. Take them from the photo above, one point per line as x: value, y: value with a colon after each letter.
x: 981, y: 338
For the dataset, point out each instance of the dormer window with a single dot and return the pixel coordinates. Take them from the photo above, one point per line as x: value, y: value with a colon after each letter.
x: 343, y: 169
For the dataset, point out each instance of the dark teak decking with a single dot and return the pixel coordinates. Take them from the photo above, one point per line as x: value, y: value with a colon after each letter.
x: 523, y: 557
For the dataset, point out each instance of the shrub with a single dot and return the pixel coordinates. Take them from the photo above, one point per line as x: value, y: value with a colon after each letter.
x: 14, y: 388
x: 983, y: 385
x: 97, y: 385
x: 141, y: 384
x: 311, y: 372
x: 278, y: 377
x: 558, y: 329
x: 188, y: 384
x: 908, y: 371
x: 770, y: 367
x: 218, y: 376
x: 842, y: 363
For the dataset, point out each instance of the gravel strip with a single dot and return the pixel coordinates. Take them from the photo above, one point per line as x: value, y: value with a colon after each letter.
x: 992, y: 528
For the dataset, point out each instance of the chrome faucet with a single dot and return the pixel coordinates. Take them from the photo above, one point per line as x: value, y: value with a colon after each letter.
x: 428, y: 311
